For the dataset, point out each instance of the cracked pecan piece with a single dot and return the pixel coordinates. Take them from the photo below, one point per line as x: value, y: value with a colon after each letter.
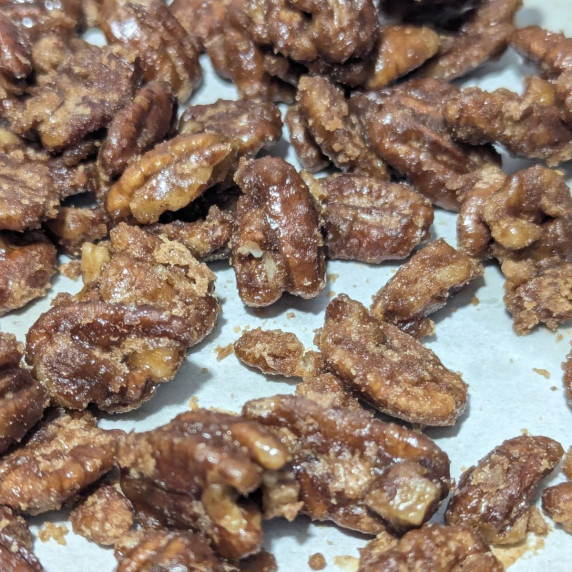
x: 191, y: 472
x: 64, y: 455
x: 276, y: 244
x: 351, y: 468
x: 16, y: 544
x: 170, y: 176
x: 557, y: 503
x: 388, y: 368
x: 166, y: 51
x: 432, y: 547
x: 422, y: 286
x: 493, y: 497
x: 27, y: 264
x: 369, y: 220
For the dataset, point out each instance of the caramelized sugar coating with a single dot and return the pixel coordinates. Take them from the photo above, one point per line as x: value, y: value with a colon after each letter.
x: 15, y: 50
x: 275, y: 352
x: 557, y: 503
x: 388, y: 368
x: 105, y: 516
x: 27, y: 264
x: 369, y: 220
x: 166, y: 51
x: 191, y: 472
x: 567, y: 464
x: 16, y: 544
x: 481, y: 37
x: 432, y: 547
x: 567, y: 381
x: 335, y: 129
x: 22, y: 399
x: 422, y: 286
x: 493, y: 497
x: 526, y: 128
x: 344, y: 461
x: 328, y: 391
x: 74, y: 226
x: 251, y: 125
x: 401, y: 49
x: 64, y: 455
x: 407, y: 129
x: 170, y: 176
x: 79, y: 97
x: 39, y: 16
x: 137, y: 127
x: 276, y: 244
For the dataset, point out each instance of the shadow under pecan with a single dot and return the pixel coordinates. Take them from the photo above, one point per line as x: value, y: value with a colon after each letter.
x: 64, y: 455
x: 388, y: 368
x: 493, y: 497
x: 360, y: 472
x: 16, y: 544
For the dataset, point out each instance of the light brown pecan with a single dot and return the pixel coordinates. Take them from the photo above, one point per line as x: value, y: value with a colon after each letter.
x: 16, y: 544
x: 388, y: 368
x: 493, y: 497
x: 557, y: 503
x: 422, y: 286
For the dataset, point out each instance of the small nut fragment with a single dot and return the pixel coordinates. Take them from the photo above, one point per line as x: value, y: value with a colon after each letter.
x: 16, y: 544
x: 557, y: 503
x: 308, y: 151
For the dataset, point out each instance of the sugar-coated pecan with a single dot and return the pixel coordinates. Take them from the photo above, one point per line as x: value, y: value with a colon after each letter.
x: 567, y: 464
x: 567, y: 381
x: 190, y: 473
x: 351, y: 468
x: 335, y: 129
x: 422, y: 286
x: 276, y: 245
x: 16, y: 544
x: 369, y: 220
x: 170, y: 176
x: 41, y: 16
x: 27, y: 264
x: 388, y: 368
x: 557, y: 503
x: 104, y: 516
x: 328, y: 391
x: 166, y: 51
x: 526, y: 128
x: 22, y: 399
x: 433, y: 547
x: 250, y: 125
x: 493, y: 497
x: 64, y: 455
x: 137, y: 127
x: 15, y: 49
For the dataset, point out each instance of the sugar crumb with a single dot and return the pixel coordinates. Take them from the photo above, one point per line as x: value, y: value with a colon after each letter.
x: 524, y: 432
x: 204, y: 369
x: 317, y: 561
x: 290, y: 315
x: 543, y: 372
x: 347, y: 563
x: 331, y: 294
x: 71, y: 270
x: 223, y: 352
x: 236, y: 329
x: 559, y: 337
x: 194, y: 403
x: 53, y: 531
x: 333, y: 277
x: 475, y: 301
x: 553, y: 388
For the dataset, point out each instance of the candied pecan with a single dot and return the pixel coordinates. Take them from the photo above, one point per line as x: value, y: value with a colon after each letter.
x: 261, y: 562
x: 22, y: 399
x: 74, y: 226
x: 16, y: 544
x: 170, y: 176
x: 27, y: 264
x: 276, y: 244
x: 422, y: 286
x: 335, y: 129
x: 557, y: 503
x: 526, y: 128
x: 250, y: 125
x: 388, y: 368
x: 328, y: 391
x: 275, y: 352
x: 165, y: 49
x: 104, y: 516
x: 567, y: 464
x: 433, y: 547
x: 567, y: 381
x: 407, y: 129
x: 343, y: 460
x: 41, y: 16
x: 308, y: 151
x: 79, y: 97
x: 190, y: 472
x: 493, y: 497
x: 401, y: 49
x: 370, y: 220
x: 15, y: 50
x: 137, y: 127
x: 65, y: 454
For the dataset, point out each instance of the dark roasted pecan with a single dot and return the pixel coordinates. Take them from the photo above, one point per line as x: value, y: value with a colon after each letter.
x: 42, y: 16
x: 433, y: 547
x: 442, y: 12
x: 557, y: 503
x: 276, y: 245
x: 166, y: 51
x: 16, y: 544
x: 388, y: 368
x: 352, y: 469
x: 493, y: 497
x: 15, y: 50
x: 27, y: 264
x: 422, y: 286
x: 170, y: 176
x: 567, y: 381
x: 104, y: 516
x: 137, y: 127
x: 64, y: 455
x: 370, y: 220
